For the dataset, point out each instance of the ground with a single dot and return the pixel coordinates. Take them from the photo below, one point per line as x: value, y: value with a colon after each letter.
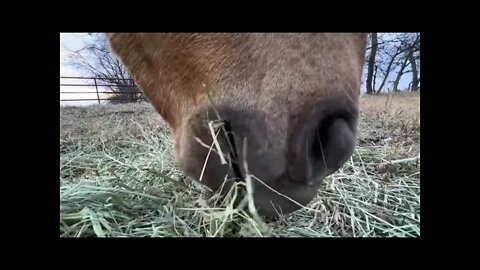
x: 118, y: 178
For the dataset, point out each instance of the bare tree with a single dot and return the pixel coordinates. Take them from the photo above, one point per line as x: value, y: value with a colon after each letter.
x: 400, y: 73
x: 414, y: 48
x: 95, y: 59
x: 371, y: 62
x: 392, y: 54
x: 390, y: 66
x: 410, y: 48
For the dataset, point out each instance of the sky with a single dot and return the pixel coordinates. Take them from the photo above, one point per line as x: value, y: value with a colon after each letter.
x: 75, y: 41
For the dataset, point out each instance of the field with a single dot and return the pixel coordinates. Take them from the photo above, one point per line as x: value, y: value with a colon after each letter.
x: 118, y: 178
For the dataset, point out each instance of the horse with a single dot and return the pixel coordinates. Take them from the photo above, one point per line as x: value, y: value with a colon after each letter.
x: 280, y: 109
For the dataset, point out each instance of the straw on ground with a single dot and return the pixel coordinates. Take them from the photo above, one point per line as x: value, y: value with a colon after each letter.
x: 119, y: 179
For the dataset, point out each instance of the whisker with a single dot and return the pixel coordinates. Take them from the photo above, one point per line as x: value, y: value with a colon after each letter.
x: 283, y: 195
x: 309, y: 165
x: 321, y: 149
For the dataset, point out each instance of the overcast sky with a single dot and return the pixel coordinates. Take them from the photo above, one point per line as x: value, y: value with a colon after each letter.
x: 75, y: 41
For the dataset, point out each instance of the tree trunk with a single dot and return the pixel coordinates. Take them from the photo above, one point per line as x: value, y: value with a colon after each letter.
x: 413, y: 64
x: 387, y: 72
x: 371, y: 63
x: 399, y: 75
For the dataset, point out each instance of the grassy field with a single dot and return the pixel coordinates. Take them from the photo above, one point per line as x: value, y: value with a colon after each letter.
x: 118, y: 178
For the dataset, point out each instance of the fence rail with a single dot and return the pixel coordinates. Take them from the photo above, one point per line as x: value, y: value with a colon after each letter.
x: 88, y: 99
x: 117, y: 95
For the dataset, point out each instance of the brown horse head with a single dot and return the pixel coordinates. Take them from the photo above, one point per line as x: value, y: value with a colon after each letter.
x: 283, y: 104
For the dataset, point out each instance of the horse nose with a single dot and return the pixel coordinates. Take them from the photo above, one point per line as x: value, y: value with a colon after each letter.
x: 326, y: 143
x: 282, y: 159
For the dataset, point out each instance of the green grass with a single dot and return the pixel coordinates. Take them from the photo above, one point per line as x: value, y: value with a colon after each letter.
x: 119, y: 179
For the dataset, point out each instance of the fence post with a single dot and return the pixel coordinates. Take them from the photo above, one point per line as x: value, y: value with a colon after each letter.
x: 132, y: 87
x: 96, y: 89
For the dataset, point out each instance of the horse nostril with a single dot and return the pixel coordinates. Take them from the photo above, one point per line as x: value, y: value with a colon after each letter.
x: 331, y: 145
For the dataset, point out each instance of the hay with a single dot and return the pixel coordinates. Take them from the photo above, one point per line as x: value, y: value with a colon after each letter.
x: 119, y: 179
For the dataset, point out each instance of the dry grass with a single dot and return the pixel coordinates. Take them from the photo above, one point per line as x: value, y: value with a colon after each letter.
x: 119, y: 179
